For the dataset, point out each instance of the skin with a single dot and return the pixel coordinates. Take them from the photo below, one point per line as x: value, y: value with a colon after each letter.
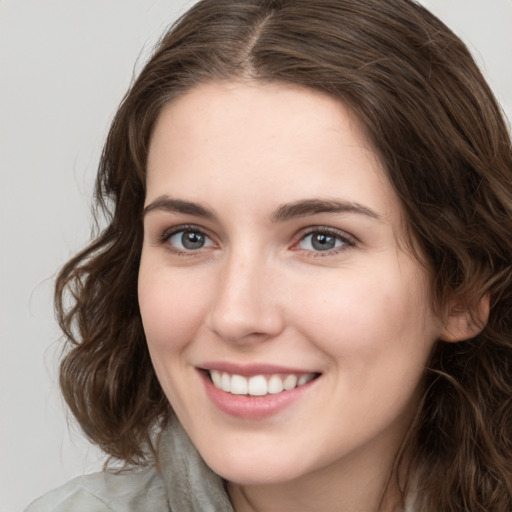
x: 259, y: 291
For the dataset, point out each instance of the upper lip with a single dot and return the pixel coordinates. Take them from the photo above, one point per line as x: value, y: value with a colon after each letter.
x: 248, y: 370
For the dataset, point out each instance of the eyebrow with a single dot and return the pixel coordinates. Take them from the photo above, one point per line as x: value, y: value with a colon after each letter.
x: 307, y: 207
x: 283, y: 213
x: 170, y: 205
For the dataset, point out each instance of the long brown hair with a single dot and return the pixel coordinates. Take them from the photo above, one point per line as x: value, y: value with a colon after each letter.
x: 445, y: 146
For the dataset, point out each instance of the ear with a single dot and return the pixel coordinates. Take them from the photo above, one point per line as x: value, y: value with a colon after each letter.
x: 463, y: 323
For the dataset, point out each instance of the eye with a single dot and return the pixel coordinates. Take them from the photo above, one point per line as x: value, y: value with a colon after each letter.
x: 324, y: 240
x: 187, y: 239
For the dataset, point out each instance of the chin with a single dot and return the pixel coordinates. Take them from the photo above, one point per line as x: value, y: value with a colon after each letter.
x: 249, y: 475
x: 244, y: 468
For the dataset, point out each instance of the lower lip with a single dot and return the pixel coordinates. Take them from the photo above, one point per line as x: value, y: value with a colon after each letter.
x: 252, y: 407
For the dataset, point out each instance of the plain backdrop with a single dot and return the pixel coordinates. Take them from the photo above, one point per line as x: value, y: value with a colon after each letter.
x: 64, y: 67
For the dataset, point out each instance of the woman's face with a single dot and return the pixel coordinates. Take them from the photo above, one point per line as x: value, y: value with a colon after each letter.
x: 272, y: 265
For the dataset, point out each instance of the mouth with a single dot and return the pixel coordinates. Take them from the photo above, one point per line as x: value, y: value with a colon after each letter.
x: 256, y: 391
x: 259, y: 385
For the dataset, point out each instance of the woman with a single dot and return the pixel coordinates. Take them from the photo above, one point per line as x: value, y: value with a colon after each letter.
x: 302, y: 298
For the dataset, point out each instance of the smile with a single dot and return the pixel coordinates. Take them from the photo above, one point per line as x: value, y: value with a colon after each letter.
x: 258, y: 385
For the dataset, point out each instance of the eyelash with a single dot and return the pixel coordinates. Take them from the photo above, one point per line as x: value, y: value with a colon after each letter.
x: 168, y: 234
x: 346, y: 240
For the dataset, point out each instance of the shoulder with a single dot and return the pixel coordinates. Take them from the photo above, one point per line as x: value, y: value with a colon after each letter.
x: 125, y: 491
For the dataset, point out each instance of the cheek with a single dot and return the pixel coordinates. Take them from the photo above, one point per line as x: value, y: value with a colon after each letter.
x: 364, y: 316
x: 171, y: 309
x: 377, y: 334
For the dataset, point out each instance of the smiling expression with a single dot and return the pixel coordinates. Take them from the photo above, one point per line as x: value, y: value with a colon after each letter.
x: 287, y: 326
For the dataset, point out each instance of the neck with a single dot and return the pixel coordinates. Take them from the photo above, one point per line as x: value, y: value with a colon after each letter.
x: 351, y: 488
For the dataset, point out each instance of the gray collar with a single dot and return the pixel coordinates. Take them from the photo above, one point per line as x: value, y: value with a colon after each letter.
x: 191, y: 485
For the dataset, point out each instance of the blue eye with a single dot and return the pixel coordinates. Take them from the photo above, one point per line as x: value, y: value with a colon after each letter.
x: 323, y: 241
x: 189, y: 240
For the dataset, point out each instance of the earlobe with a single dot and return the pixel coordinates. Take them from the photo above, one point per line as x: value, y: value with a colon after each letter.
x: 464, y: 323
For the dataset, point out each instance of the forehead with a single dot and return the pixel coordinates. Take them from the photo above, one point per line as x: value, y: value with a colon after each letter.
x: 281, y: 141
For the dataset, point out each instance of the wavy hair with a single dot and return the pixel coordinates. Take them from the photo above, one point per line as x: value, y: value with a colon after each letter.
x: 446, y: 149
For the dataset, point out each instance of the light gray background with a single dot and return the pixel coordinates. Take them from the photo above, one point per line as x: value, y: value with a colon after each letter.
x: 64, y: 66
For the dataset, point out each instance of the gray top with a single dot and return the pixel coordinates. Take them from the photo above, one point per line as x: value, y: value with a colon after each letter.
x: 181, y: 483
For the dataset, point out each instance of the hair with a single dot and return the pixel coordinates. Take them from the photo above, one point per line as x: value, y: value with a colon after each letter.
x: 446, y: 149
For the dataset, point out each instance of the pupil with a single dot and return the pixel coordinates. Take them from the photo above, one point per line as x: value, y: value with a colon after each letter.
x: 192, y: 240
x: 323, y: 242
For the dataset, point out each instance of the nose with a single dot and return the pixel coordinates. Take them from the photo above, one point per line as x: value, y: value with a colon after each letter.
x: 245, y: 308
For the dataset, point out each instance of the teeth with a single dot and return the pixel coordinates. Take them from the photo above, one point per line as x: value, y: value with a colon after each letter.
x: 258, y: 385
x: 217, y: 379
x: 290, y: 382
x: 275, y: 384
x: 304, y: 379
x: 238, y: 384
x: 225, y: 382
